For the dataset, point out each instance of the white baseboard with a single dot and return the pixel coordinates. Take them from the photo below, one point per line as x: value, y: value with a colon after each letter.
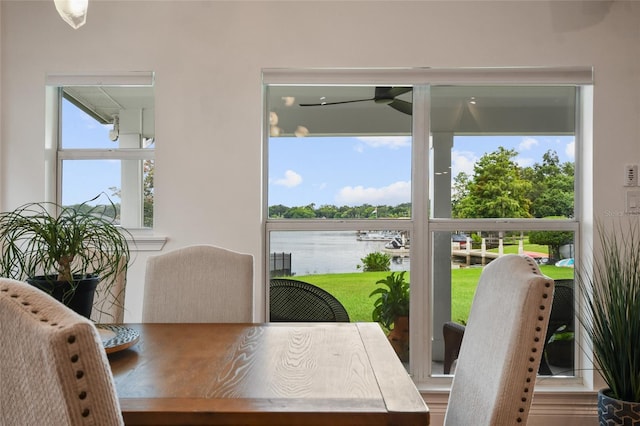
x: 547, y: 409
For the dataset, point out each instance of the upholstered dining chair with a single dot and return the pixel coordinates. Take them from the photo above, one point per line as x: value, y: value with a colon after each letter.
x: 294, y: 301
x: 199, y: 283
x: 53, y: 368
x: 561, y: 316
x: 502, y: 346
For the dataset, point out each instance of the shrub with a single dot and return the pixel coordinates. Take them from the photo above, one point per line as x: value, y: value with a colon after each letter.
x: 376, y: 262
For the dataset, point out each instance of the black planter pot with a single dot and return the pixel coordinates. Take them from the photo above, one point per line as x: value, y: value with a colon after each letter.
x: 613, y: 412
x: 78, y: 297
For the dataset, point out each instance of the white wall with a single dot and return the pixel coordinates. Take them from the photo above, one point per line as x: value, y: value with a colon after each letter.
x: 208, y: 58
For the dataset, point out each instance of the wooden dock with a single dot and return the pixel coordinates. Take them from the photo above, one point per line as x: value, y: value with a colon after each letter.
x: 472, y: 257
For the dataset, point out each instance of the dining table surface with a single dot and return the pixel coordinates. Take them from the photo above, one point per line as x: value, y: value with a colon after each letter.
x: 264, y: 374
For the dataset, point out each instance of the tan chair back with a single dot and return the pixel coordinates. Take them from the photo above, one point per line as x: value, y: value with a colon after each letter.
x: 200, y: 283
x: 502, y: 346
x: 53, y: 368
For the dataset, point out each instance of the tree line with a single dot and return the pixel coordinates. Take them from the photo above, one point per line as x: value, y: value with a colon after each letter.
x: 326, y: 211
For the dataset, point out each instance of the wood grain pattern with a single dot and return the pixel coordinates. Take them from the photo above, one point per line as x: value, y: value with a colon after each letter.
x: 265, y: 374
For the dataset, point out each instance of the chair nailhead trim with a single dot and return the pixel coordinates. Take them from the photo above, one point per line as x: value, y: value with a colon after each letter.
x: 534, y: 350
x: 71, y: 339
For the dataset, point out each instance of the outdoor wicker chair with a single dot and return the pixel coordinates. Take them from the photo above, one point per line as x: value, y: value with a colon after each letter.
x: 298, y: 301
x: 561, y: 316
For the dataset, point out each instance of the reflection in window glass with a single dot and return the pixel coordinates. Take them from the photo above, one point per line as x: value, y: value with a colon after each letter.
x: 335, y: 159
x: 470, y: 250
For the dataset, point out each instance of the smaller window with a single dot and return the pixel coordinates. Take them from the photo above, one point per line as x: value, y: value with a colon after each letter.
x: 106, y: 147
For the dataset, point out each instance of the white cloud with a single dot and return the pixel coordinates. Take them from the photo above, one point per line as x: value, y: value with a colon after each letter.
x: 289, y: 180
x: 392, y: 142
x: 524, y: 161
x: 462, y: 161
x: 527, y: 144
x: 570, y: 150
x: 394, y: 194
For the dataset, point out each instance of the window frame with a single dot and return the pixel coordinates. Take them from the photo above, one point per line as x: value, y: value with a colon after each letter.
x: 421, y: 226
x: 55, y: 155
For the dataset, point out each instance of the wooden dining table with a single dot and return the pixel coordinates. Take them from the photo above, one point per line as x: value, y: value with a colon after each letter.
x: 264, y: 374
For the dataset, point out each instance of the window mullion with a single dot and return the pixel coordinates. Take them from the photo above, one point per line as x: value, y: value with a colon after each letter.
x: 106, y: 154
x: 420, y: 289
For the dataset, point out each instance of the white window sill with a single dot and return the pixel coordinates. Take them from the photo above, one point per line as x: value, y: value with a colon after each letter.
x: 145, y: 240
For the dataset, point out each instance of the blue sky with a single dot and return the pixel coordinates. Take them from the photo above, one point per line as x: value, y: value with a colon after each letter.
x: 84, y: 179
x: 353, y: 171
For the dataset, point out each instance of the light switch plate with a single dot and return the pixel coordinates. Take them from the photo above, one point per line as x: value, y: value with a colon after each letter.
x: 633, y: 202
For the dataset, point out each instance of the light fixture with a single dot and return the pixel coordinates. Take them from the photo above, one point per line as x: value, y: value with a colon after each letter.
x: 73, y: 12
x: 114, y: 133
x: 301, y: 132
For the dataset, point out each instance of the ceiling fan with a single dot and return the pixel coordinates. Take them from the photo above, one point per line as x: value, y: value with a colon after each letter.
x: 382, y: 95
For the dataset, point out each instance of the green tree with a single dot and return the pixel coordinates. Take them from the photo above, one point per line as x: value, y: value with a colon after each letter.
x: 327, y: 212
x: 553, y: 239
x: 278, y: 210
x: 147, y: 188
x: 496, y: 189
x: 460, y: 189
x: 552, y: 191
x: 300, y: 213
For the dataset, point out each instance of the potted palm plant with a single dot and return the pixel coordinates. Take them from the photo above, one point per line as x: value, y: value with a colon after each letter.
x: 610, y: 291
x: 64, y: 251
x: 391, y: 310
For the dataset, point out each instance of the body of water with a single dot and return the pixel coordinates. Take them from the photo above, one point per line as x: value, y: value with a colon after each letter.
x: 327, y: 252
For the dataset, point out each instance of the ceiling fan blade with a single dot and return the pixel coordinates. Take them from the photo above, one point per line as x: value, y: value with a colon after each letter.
x: 397, y: 91
x: 402, y: 106
x: 337, y: 103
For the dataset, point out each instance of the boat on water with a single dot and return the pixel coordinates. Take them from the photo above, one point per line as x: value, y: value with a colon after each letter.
x: 398, y: 246
x: 376, y: 235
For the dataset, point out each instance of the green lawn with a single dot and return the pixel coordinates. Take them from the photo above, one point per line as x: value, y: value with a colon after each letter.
x: 353, y: 289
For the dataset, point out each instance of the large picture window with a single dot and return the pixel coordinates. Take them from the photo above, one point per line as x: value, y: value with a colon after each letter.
x: 429, y: 175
